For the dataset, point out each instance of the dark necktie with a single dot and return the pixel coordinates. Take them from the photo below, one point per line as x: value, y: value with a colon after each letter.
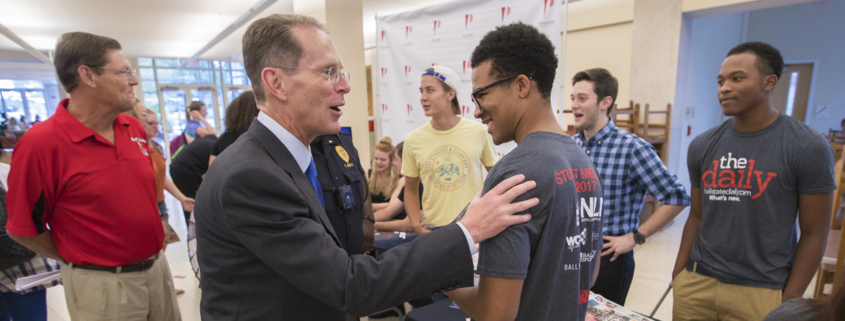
x: 311, y: 173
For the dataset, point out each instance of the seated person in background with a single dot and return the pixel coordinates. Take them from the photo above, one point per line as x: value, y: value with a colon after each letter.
x: 239, y: 116
x: 393, y: 217
x: 385, y: 181
x: 542, y: 269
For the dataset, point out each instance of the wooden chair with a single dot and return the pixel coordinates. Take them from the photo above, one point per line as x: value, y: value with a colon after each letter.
x: 837, y: 150
x: 836, y: 136
x: 631, y: 117
x: 661, y: 140
x: 839, y: 178
x: 827, y: 270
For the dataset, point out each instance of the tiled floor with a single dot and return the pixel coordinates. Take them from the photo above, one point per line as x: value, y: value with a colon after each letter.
x: 655, y: 260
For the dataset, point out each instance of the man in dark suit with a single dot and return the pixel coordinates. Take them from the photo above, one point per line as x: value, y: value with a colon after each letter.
x: 266, y: 248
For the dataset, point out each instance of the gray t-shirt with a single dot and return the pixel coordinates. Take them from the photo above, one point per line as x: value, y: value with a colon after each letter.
x: 799, y: 309
x: 750, y: 183
x: 557, y: 250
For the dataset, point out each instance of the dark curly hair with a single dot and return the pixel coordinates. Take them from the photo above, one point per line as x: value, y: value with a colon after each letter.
x: 241, y: 112
x: 519, y: 48
x: 769, y: 59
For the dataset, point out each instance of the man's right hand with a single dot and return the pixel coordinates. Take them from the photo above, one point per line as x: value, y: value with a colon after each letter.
x: 489, y: 215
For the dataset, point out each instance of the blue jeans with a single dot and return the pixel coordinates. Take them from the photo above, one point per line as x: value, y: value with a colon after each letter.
x: 24, y: 307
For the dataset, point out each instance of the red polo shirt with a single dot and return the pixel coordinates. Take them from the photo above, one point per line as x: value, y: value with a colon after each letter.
x: 97, y: 198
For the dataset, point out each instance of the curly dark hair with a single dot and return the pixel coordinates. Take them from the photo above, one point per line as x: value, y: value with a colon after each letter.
x: 519, y: 48
x: 769, y: 59
x: 241, y: 112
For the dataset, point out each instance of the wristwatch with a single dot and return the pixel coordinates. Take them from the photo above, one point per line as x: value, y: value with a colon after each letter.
x: 639, y: 237
x: 373, y: 220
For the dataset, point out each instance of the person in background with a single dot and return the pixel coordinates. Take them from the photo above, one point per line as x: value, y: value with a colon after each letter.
x: 384, y: 178
x: 629, y: 168
x: 13, y: 126
x: 240, y: 114
x: 29, y: 304
x: 188, y: 168
x: 197, y: 125
x: 344, y: 190
x: 23, y: 123
x: 150, y: 122
x: 37, y: 119
x: 752, y: 176
x: 393, y: 217
x: 109, y: 245
x: 446, y: 154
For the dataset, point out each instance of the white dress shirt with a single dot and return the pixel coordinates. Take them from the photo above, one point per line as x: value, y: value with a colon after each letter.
x: 302, y: 154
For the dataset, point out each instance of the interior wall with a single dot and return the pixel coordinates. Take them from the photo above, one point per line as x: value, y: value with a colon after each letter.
x: 710, y: 40
x: 810, y: 32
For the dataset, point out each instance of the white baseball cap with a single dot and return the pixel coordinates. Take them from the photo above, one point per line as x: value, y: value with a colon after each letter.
x: 446, y: 75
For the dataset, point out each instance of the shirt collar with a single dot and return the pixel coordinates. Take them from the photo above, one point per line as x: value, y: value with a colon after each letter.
x: 75, y: 128
x: 601, y: 134
x: 301, y: 153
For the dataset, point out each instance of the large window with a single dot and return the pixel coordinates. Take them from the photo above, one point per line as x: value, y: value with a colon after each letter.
x: 167, y: 87
x: 24, y: 98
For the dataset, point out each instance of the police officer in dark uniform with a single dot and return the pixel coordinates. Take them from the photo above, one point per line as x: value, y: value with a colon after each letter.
x: 345, y: 194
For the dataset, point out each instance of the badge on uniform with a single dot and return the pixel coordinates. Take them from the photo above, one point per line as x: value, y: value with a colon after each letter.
x: 343, y: 155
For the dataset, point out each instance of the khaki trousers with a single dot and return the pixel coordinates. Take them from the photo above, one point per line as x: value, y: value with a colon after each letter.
x: 699, y: 297
x: 100, y: 295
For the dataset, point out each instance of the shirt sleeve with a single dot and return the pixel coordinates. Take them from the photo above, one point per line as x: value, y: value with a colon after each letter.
x: 650, y: 172
x: 27, y: 201
x: 409, y: 162
x: 508, y: 254
x: 489, y: 157
x: 815, y: 168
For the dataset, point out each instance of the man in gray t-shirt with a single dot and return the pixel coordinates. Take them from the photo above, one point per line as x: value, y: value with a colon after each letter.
x: 542, y: 269
x: 752, y: 176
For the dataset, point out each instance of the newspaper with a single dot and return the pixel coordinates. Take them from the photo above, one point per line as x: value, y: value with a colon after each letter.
x: 45, y: 278
x: 601, y: 309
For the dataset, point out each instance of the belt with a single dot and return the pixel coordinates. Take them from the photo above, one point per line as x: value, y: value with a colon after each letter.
x: 135, y: 267
x: 693, y: 266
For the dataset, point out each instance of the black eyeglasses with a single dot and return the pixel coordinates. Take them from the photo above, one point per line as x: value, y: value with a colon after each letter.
x: 476, y: 94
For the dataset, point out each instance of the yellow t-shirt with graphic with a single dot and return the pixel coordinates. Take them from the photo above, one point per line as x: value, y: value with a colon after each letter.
x: 449, y: 165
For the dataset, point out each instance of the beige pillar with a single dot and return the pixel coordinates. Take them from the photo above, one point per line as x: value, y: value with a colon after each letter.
x: 344, y: 19
x: 654, y: 54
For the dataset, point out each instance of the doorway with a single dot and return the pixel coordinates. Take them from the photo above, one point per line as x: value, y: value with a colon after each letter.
x: 792, y: 93
x: 175, y: 100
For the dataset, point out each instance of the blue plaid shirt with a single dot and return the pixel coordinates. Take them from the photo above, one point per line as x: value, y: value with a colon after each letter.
x: 629, y: 168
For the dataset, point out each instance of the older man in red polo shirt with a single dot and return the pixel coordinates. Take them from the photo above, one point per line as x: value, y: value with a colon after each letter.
x: 82, y: 190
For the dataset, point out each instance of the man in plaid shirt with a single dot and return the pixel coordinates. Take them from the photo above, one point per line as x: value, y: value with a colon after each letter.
x: 629, y: 168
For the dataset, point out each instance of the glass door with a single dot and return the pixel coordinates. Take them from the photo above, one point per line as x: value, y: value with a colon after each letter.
x: 13, y: 103
x: 207, y: 95
x: 37, y: 105
x: 175, y: 107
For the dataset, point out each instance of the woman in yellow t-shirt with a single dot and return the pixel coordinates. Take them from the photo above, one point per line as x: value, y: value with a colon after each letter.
x: 446, y: 154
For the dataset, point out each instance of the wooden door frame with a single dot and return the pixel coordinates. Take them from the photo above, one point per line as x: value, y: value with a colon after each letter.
x: 810, y: 103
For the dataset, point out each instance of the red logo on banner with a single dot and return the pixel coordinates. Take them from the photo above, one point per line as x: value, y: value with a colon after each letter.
x: 383, y: 71
x: 506, y: 11
x: 467, y: 20
x: 383, y: 33
x: 547, y: 4
x: 434, y: 64
x: 408, y: 30
x: 501, y: 155
x: 464, y: 110
x: 407, y: 70
x: 436, y: 25
x: 383, y: 107
x: 410, y: 109
x: 467, y: 65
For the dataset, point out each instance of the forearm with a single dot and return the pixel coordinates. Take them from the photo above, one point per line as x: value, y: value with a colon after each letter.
x: 173, y: 190
x: 380, y: 206
x: 661, y: 217
x: 42, y: 244
x: 808, y: 256
x: 691, y: 229
x: 394, y: 225
x: 387, y: 213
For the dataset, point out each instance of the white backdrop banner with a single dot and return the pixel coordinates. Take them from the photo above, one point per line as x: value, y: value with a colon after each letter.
x: 446, y: 35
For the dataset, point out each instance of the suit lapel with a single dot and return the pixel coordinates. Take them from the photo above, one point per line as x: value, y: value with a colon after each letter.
x: 282, y: 156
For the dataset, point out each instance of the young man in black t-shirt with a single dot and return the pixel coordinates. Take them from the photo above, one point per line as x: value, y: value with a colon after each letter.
x: 542, y: 269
